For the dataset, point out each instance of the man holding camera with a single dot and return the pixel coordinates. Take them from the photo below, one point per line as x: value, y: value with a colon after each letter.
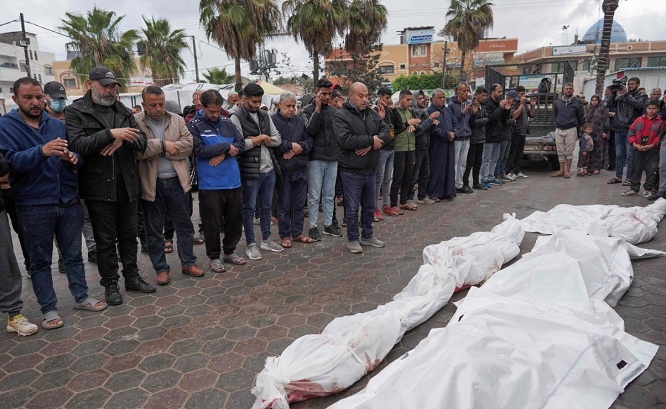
x: 629, y: 104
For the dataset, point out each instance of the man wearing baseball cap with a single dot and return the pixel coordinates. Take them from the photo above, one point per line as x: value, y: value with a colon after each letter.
x: 56, y: 99
x: 106, y: 133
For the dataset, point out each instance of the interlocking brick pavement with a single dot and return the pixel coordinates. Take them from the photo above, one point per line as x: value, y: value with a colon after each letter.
x: 199, y: 343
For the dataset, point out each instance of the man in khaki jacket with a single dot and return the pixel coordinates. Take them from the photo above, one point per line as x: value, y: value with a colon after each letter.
x: 164, y: 173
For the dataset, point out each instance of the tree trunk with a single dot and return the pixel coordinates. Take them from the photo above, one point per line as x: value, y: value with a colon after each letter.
x: 239, y: 80
x: 609, y: 7
x: 315, y: 66
x: 463, y: 54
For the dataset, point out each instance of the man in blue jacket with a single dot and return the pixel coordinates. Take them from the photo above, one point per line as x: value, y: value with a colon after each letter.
x: 45, y: 188
x: 441, y: 152
x: 217, y: 143
x: 464, y: 111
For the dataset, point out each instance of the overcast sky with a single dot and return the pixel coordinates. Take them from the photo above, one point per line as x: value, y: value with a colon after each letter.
x: 535, y: 23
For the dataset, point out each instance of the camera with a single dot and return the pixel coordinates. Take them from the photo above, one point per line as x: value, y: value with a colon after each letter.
x: 618, y: 83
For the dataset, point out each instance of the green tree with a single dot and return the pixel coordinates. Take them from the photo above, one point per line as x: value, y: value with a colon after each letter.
x: 359, y: 66
x: 609, y: 7
x: 316, y: 23
x: 239, y: 26
x: 422, y: 81
x: 218, y: 76
x: 367, y: 20
x: 469, y: 21
x: 161, y: 51
x: 98, y: 38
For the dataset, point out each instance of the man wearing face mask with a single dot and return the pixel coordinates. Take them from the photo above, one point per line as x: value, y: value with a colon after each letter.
x: 56, y: 100
x: 106, y: 133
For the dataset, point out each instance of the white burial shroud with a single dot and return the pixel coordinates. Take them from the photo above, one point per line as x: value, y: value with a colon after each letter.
x: 538, y: 334
x: 351, y: 346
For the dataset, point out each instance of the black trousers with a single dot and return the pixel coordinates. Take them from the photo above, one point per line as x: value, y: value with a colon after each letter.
x: 10, y: 208
x: 111, y: 222
x: 647, y: 162
x: 403, y: 166
x: 216, y: 204
x: 420, y: 174
x: 515, y: 154
x: 474, y: 159
x: 611, y: 150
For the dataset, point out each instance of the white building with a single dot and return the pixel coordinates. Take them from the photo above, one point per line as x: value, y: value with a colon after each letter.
x: 13, y: 61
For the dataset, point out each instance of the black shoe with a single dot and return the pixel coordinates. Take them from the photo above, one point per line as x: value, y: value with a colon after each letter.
x: 657, y: 195
x: 333, y: 230
x: 112, y: 294
x: 459, y: 190
x: 61, y: 266
x: 92, y: 257
x: 467, y: 189
x: 144, y: 246
x: 137, y: 284
x: 314, y: 234
x: 479, y: 186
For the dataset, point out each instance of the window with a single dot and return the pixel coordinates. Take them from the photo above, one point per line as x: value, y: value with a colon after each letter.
x: 418, y: 50
x: 40, y: 77
x: 656, y: 61
x: 34, y: 75
x: 403, y: 66
x: 69, y: 82
x: 631, y: 62
x: 586, y: 65
x: 48, y: 70
x: 386, y: 69
x: 560, y: 66
x: 36, y: 59
x: 24, y: 66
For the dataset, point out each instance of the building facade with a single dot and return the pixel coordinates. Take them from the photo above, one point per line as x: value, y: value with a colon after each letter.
x: 13, y: 61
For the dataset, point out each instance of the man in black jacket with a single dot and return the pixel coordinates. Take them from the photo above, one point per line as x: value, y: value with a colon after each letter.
x: 475, y: 153
x: 569, y: 117
x: 361, y: 133
x: 105, y: 132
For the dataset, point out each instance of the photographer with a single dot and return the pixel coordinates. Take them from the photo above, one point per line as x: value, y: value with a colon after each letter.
x: 629, y: 104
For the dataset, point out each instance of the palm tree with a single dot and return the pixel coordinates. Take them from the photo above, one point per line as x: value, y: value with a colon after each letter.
x: 100, y: 42
x: 366, y: 21
x: 609, y: 7
x: 161, y: 51
x: 316, y: 23
x: 469, y: 21
x: 239, y: 26
x: 218, y: 76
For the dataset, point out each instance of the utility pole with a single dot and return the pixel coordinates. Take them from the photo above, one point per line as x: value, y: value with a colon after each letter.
x: 446, y: 51
x: 25, y: 43
x: 196, y: 62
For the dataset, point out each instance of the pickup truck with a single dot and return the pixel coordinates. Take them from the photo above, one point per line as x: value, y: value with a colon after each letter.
x: 540, y: 142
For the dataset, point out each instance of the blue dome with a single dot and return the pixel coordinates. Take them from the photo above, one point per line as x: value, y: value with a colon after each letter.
x: 593, y: 34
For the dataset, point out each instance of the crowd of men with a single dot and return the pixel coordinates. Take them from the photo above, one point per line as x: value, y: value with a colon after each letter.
x: 126, y: 173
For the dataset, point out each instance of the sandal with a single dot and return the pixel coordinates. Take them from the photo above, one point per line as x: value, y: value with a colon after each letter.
x: 216, y: 266
x: 626, y: 183
x: 303, y: 239
x: 613, y: 181
x: 596, y: 172
x: 90, y: 304
x: 168, y: 247
x: 557, y: 175
x: 52, y: 321
x: 198, y: 240
x: 567, y: 175
x: 234, y: 258
x: 408, y: 206
x: 286, y: 243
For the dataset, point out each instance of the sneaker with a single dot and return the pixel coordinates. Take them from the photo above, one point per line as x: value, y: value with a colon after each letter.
x: 510, y: 176
x: 647, y: 193
x: 479, y: 186
x: 486, y: 185
x: 257, y: 221
x: 252, y: 252
x: 505, y: 177
x: 657, y: 195
x: 378, y: 215
x: 520, y: 175
x: 333, y: 230
x: 467, y: 189
x: 136, y: 283
x: 390, y: 211
x: 494, y: 182
x: 270, y: 245
x: 372, y: 242
x: 355, y: 247
x: 21, y: 326
x: 413, y: 204
x: 629, y: 192
x: 314, y: 234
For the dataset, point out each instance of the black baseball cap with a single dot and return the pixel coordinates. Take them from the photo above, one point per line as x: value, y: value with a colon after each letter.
x: 103, y: 75
x: 55, y: 90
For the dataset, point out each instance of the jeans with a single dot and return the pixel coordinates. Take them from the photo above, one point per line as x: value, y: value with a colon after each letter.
x: 359, y: 191
x: 87, y: 230
x: 321, y: 185
x: 39, y: 224
x: 461, y: 150
x: 505, y: 147
x: 262, y: 188
x: 491, y: 151
x: 516, y: 154
x: 474, y: 160
x: 420, y: 175
x: 226, y: 203
x: 10, y: 279
x: 402, y: 176
x: 171, y: 199
x: 292, y: 188
x: 623, y: 153
x: 384, y: 176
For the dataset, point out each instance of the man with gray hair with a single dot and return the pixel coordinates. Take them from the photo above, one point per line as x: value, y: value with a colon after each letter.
x: 442, y: 150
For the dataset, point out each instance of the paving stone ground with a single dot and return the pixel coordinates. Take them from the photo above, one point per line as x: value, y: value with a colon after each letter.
x: 199, y: 343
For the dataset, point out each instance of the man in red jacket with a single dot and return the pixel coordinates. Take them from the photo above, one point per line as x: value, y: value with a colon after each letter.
x: 644, y: 139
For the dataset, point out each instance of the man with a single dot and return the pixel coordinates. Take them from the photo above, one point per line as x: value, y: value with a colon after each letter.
x: 164, y: 172
x: 232, y: 99
x: 10, y: 279
x: 406, y: 123
x: 521, y: 114
x: 56, y: 100
x: 337, y: 99
x: 217, y: 144
x: 361, y: 133
x: 644, y: 139
x: 498, y: 113
x: 464, y: 112
x: 441, y: 153
x: 661, y: 191
x: 240, y: 101
x: 292, y: 157
x: 629, y: 104
x: 191, y: 110
x: 386, y: 156
x: 475, y: 153
x: 44, y: 186
x: 569, y: 117
x: 611, y: 133
x: 323, y: 164
x: 421, y: 171
x: 136, y: 109
x: 106, y: 133
x: 258, y: 168
x: 505, y: 139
